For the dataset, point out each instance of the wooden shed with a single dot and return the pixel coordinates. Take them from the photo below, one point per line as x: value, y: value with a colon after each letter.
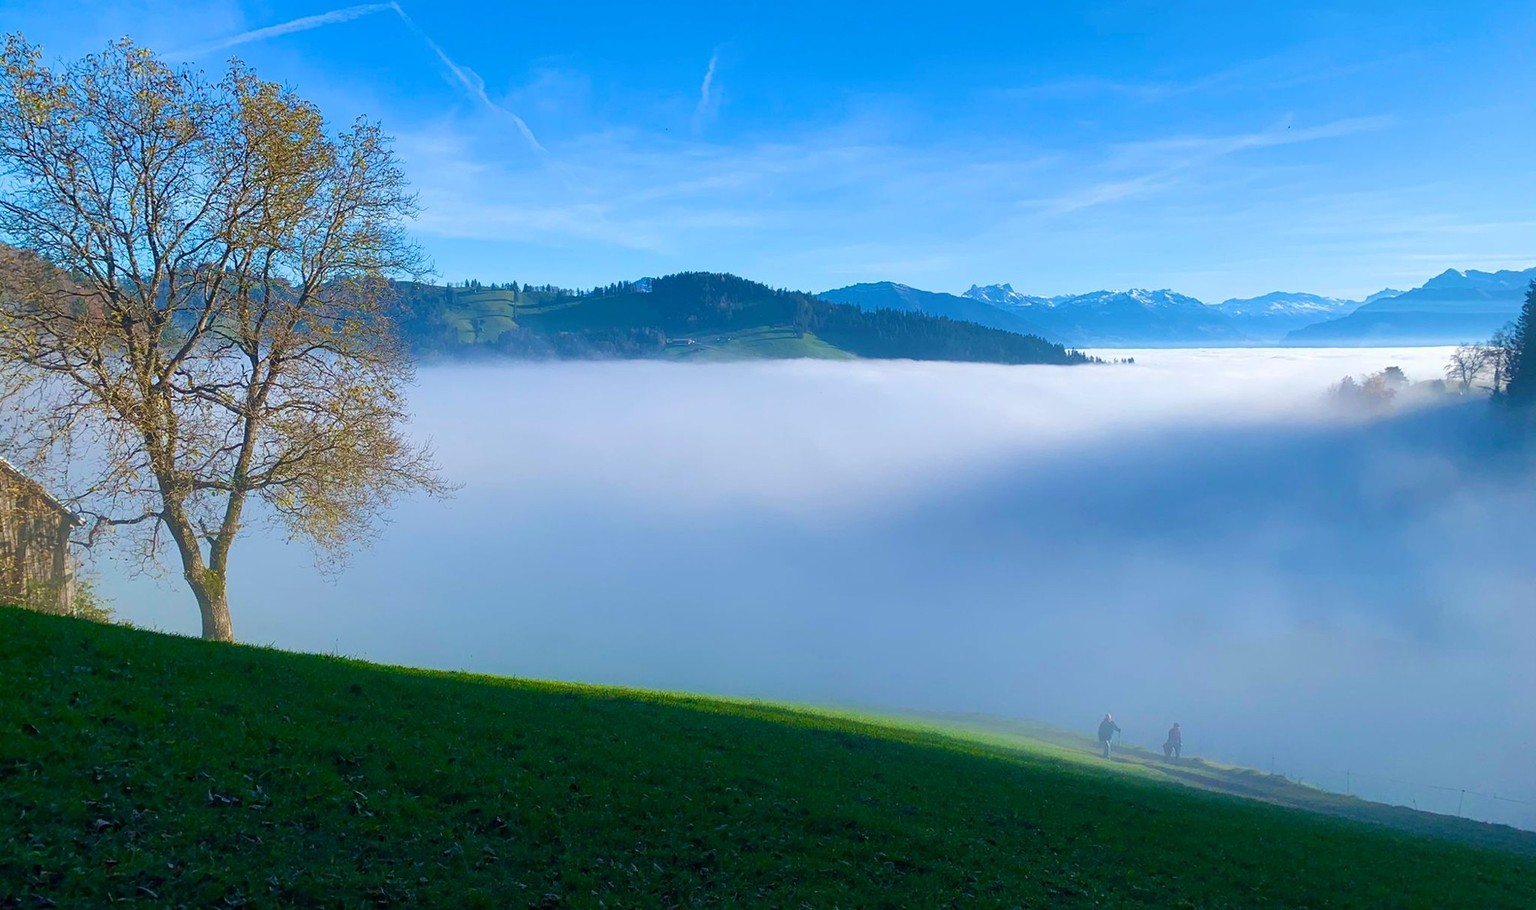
x: 35, y: 568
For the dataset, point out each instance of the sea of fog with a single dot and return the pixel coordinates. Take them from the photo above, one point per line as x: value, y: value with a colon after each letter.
x: 1199, y: 536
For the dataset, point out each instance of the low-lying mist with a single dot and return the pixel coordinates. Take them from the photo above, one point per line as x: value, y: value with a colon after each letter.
x: 1196, y: 537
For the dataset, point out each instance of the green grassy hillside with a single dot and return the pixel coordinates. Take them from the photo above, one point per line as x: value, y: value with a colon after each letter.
x: 160, y: 772
x: 1219, y: 777
x: 761, y: 343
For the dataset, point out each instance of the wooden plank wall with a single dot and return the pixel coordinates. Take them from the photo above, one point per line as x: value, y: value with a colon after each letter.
x: 34, y: 546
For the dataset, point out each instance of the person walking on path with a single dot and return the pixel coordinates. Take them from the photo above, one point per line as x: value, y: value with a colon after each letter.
x: 1174, y: 747
x: 1107, y: 730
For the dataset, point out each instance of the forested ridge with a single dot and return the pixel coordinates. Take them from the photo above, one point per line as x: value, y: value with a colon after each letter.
x: 673, y: 316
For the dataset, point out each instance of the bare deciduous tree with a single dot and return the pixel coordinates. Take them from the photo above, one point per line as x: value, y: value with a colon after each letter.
x: 203, y: 324
x: 1469, y: 363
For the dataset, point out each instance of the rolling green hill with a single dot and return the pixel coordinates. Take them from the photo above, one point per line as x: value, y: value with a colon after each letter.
x: 158, y: 771
x: 695, y: 316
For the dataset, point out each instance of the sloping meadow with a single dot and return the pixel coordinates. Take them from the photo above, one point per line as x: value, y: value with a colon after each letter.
x: 1336, y: 595
x: 151, y: 771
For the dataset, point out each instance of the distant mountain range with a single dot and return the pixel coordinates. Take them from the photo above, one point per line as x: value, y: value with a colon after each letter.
x: 1451, y: 308
x: 702, y: 317
x: 1103, y: 318
x: 1132, y: 318
x: 886, y: 295
x: 1121, y: 318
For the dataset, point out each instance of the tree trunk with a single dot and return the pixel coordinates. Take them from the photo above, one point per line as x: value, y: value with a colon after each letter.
x: 206, y: 582
x: 213, y: 603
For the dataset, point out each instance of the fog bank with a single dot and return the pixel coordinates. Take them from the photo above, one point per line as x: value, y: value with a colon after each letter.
x: 1197, y: 537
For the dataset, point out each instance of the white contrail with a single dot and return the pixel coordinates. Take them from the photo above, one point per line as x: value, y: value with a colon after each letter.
x: 296, y: 25
x: 702, y: 109
x: 709, y: 80
x: 467, y: 78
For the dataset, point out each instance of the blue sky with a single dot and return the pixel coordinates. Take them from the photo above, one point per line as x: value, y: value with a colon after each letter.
x: 1217, y: 149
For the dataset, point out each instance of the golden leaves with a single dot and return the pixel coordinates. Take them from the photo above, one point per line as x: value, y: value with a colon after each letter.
x: 234, y: 254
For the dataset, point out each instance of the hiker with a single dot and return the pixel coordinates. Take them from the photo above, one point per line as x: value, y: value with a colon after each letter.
x: 1174, y: 747
x: 1107, y: 730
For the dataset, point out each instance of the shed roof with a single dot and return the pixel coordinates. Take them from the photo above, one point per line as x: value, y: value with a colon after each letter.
x: 8, y: 468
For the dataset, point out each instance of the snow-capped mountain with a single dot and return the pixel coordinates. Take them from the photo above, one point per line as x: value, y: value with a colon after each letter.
x: 1288, y: 303
x: 1453, y: 307
x: 1133, y: 299
x: 888, y: 295
x: 1158, y: 317
x: 1118, y: 318
x: 1138, y: 316
x: 1270, y: 316
x: 1004, y: 295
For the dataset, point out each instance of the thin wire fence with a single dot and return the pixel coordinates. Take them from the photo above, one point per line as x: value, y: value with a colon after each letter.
x: 1461, y: 802
x: 1460, y: 793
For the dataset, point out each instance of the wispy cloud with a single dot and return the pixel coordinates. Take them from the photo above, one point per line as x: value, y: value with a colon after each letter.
x: 1204, y: 147
x: 707, y: 100
x: 638, y: 192
x: 1085, y: 87
x: 1265, y: 74
x: 833, y: 204
x: 620, y: 191
x: 1166, y: 161
x: 466, y: 78
x: 294, y: 25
